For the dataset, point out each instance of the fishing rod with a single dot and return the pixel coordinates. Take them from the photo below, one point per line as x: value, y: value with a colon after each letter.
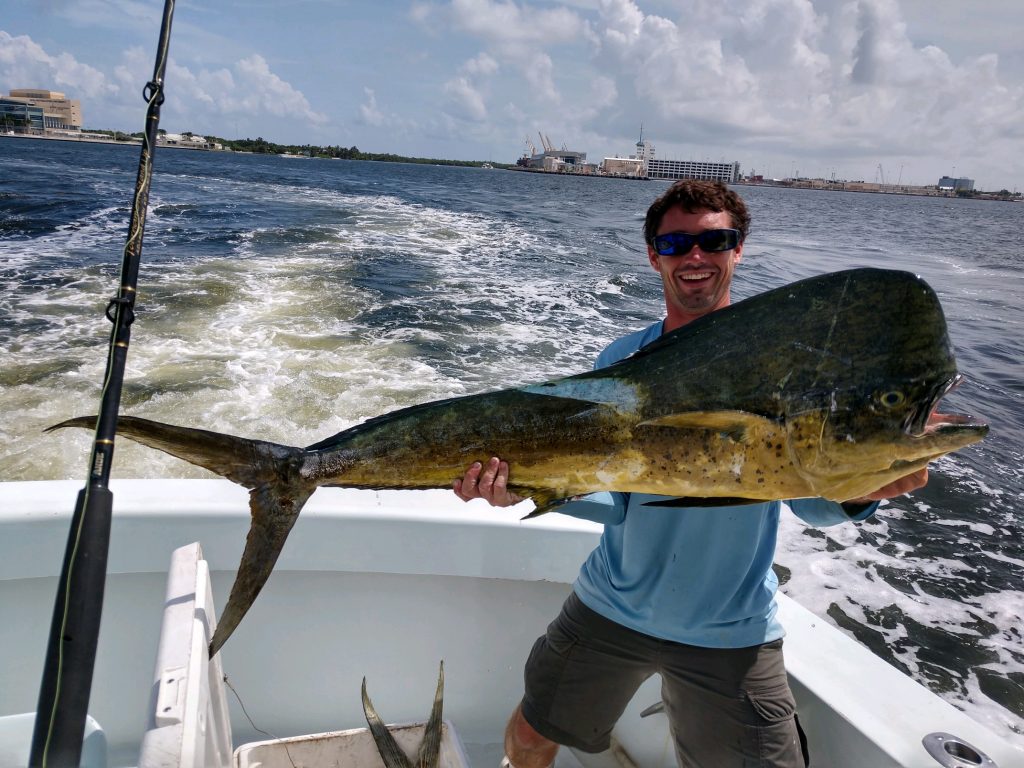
x: 74, y: 631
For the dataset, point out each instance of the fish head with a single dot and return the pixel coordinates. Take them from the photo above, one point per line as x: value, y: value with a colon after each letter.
x: 857, y: 444
x: 871, y: 415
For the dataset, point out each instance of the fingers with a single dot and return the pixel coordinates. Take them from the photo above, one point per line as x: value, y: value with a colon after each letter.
x: 488, y: 482
x: 903, y: 485
x: 488, y: 486
x: 466, y: 486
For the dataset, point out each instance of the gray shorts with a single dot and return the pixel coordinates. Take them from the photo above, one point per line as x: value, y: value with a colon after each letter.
x: 727, y: 706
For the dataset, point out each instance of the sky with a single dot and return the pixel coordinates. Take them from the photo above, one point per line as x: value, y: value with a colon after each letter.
x: 901, y: 91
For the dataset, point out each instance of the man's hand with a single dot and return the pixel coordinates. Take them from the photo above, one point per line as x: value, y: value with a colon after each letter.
x: 489, y: 483
x: 905, y: 484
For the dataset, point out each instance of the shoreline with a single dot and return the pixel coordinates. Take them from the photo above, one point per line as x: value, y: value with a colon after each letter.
x: 806, y: 186
x: 93, y: 139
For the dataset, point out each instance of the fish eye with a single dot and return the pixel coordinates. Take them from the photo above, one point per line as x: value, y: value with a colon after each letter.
x: 893, y: 399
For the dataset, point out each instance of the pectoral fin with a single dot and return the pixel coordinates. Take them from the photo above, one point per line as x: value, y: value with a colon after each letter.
x: 544, y: 501
x: 735, y: 424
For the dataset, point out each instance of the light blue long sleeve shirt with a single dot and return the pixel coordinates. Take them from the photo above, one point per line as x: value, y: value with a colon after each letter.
x: 695, y: 575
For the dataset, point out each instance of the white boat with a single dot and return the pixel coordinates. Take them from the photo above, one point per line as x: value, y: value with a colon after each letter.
x: 382, y: 585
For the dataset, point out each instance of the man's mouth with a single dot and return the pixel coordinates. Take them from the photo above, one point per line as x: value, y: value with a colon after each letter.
x: 695, y: 276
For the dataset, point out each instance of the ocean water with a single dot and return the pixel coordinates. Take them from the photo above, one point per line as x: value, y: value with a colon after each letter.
x: 287, y: 299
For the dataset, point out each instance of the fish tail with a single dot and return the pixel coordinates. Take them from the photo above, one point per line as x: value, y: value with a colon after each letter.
x: 278, y: 490
x: 275, y: 507
x: 430, y: 748
x: 392, y: 755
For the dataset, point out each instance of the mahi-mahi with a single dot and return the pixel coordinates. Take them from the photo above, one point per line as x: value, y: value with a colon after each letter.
x: 826, y: 387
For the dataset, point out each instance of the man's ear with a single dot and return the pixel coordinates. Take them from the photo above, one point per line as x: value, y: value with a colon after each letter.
x: 652, y: 256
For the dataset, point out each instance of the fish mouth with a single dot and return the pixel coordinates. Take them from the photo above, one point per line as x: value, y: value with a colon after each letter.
x: 926, y: 421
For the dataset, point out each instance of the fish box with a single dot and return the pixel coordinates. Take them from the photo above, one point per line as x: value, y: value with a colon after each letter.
x: 346, y: 749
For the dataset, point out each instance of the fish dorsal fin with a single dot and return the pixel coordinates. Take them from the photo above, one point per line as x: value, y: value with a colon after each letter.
x: 736, y: 424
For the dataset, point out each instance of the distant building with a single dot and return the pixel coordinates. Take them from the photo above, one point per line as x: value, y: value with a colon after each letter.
x: 948, y: 183
x: 21, y: 117
x: 186, y: 141
x: 553, y: 160
x: 59, y: 112
x: 684, y: 169
x: 622, y: 166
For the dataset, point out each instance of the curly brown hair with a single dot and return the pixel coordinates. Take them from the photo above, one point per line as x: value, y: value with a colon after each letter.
x: 695, y: 195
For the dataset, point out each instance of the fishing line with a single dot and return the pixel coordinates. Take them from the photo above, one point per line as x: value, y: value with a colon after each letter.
x: 245, y: 712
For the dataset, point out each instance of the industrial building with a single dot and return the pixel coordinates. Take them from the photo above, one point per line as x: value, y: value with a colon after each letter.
x: 685, y: 169
x: 623, y: 166
x: 40, y: 110
x: 644, y: 164
x: 553, y: 160
x: 949, y: 184
x: 691, y: 169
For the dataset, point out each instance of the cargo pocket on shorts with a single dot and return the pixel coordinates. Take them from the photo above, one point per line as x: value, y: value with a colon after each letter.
x: 778, y: 736
x: 774, y: 705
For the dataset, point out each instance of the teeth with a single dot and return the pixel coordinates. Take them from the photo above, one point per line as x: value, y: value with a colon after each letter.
x: 696, y: 276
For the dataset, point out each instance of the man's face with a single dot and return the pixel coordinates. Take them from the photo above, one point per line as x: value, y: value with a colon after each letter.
x: 696, y: 282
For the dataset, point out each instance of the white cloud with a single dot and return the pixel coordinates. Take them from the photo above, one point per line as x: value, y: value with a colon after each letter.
x: 516, y: 28
x: 369, y: 111
x: 516, y: 36
x: 481, y: 65
x: 465, y: 93
x: 464, y: 100
x: 265, y: 90
x: 836, y: 82
x: 24, y: 64
x: 249, y: 87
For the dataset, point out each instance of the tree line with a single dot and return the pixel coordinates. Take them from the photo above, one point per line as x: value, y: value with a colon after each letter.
x: 261, y: 146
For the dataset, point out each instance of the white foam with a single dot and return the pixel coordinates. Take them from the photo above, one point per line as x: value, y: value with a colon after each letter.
x: 849, y: 577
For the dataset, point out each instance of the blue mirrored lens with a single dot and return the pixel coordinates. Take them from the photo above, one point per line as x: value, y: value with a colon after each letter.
x: 711, y: 241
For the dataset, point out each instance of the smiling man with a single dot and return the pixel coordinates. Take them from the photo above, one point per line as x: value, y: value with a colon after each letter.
x: 696, y: 280
x: 687, y: 593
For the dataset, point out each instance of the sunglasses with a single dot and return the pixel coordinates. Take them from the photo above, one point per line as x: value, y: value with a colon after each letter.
x: 710, y: 241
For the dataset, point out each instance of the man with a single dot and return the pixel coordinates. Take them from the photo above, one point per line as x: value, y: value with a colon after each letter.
x: 687, y: 593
